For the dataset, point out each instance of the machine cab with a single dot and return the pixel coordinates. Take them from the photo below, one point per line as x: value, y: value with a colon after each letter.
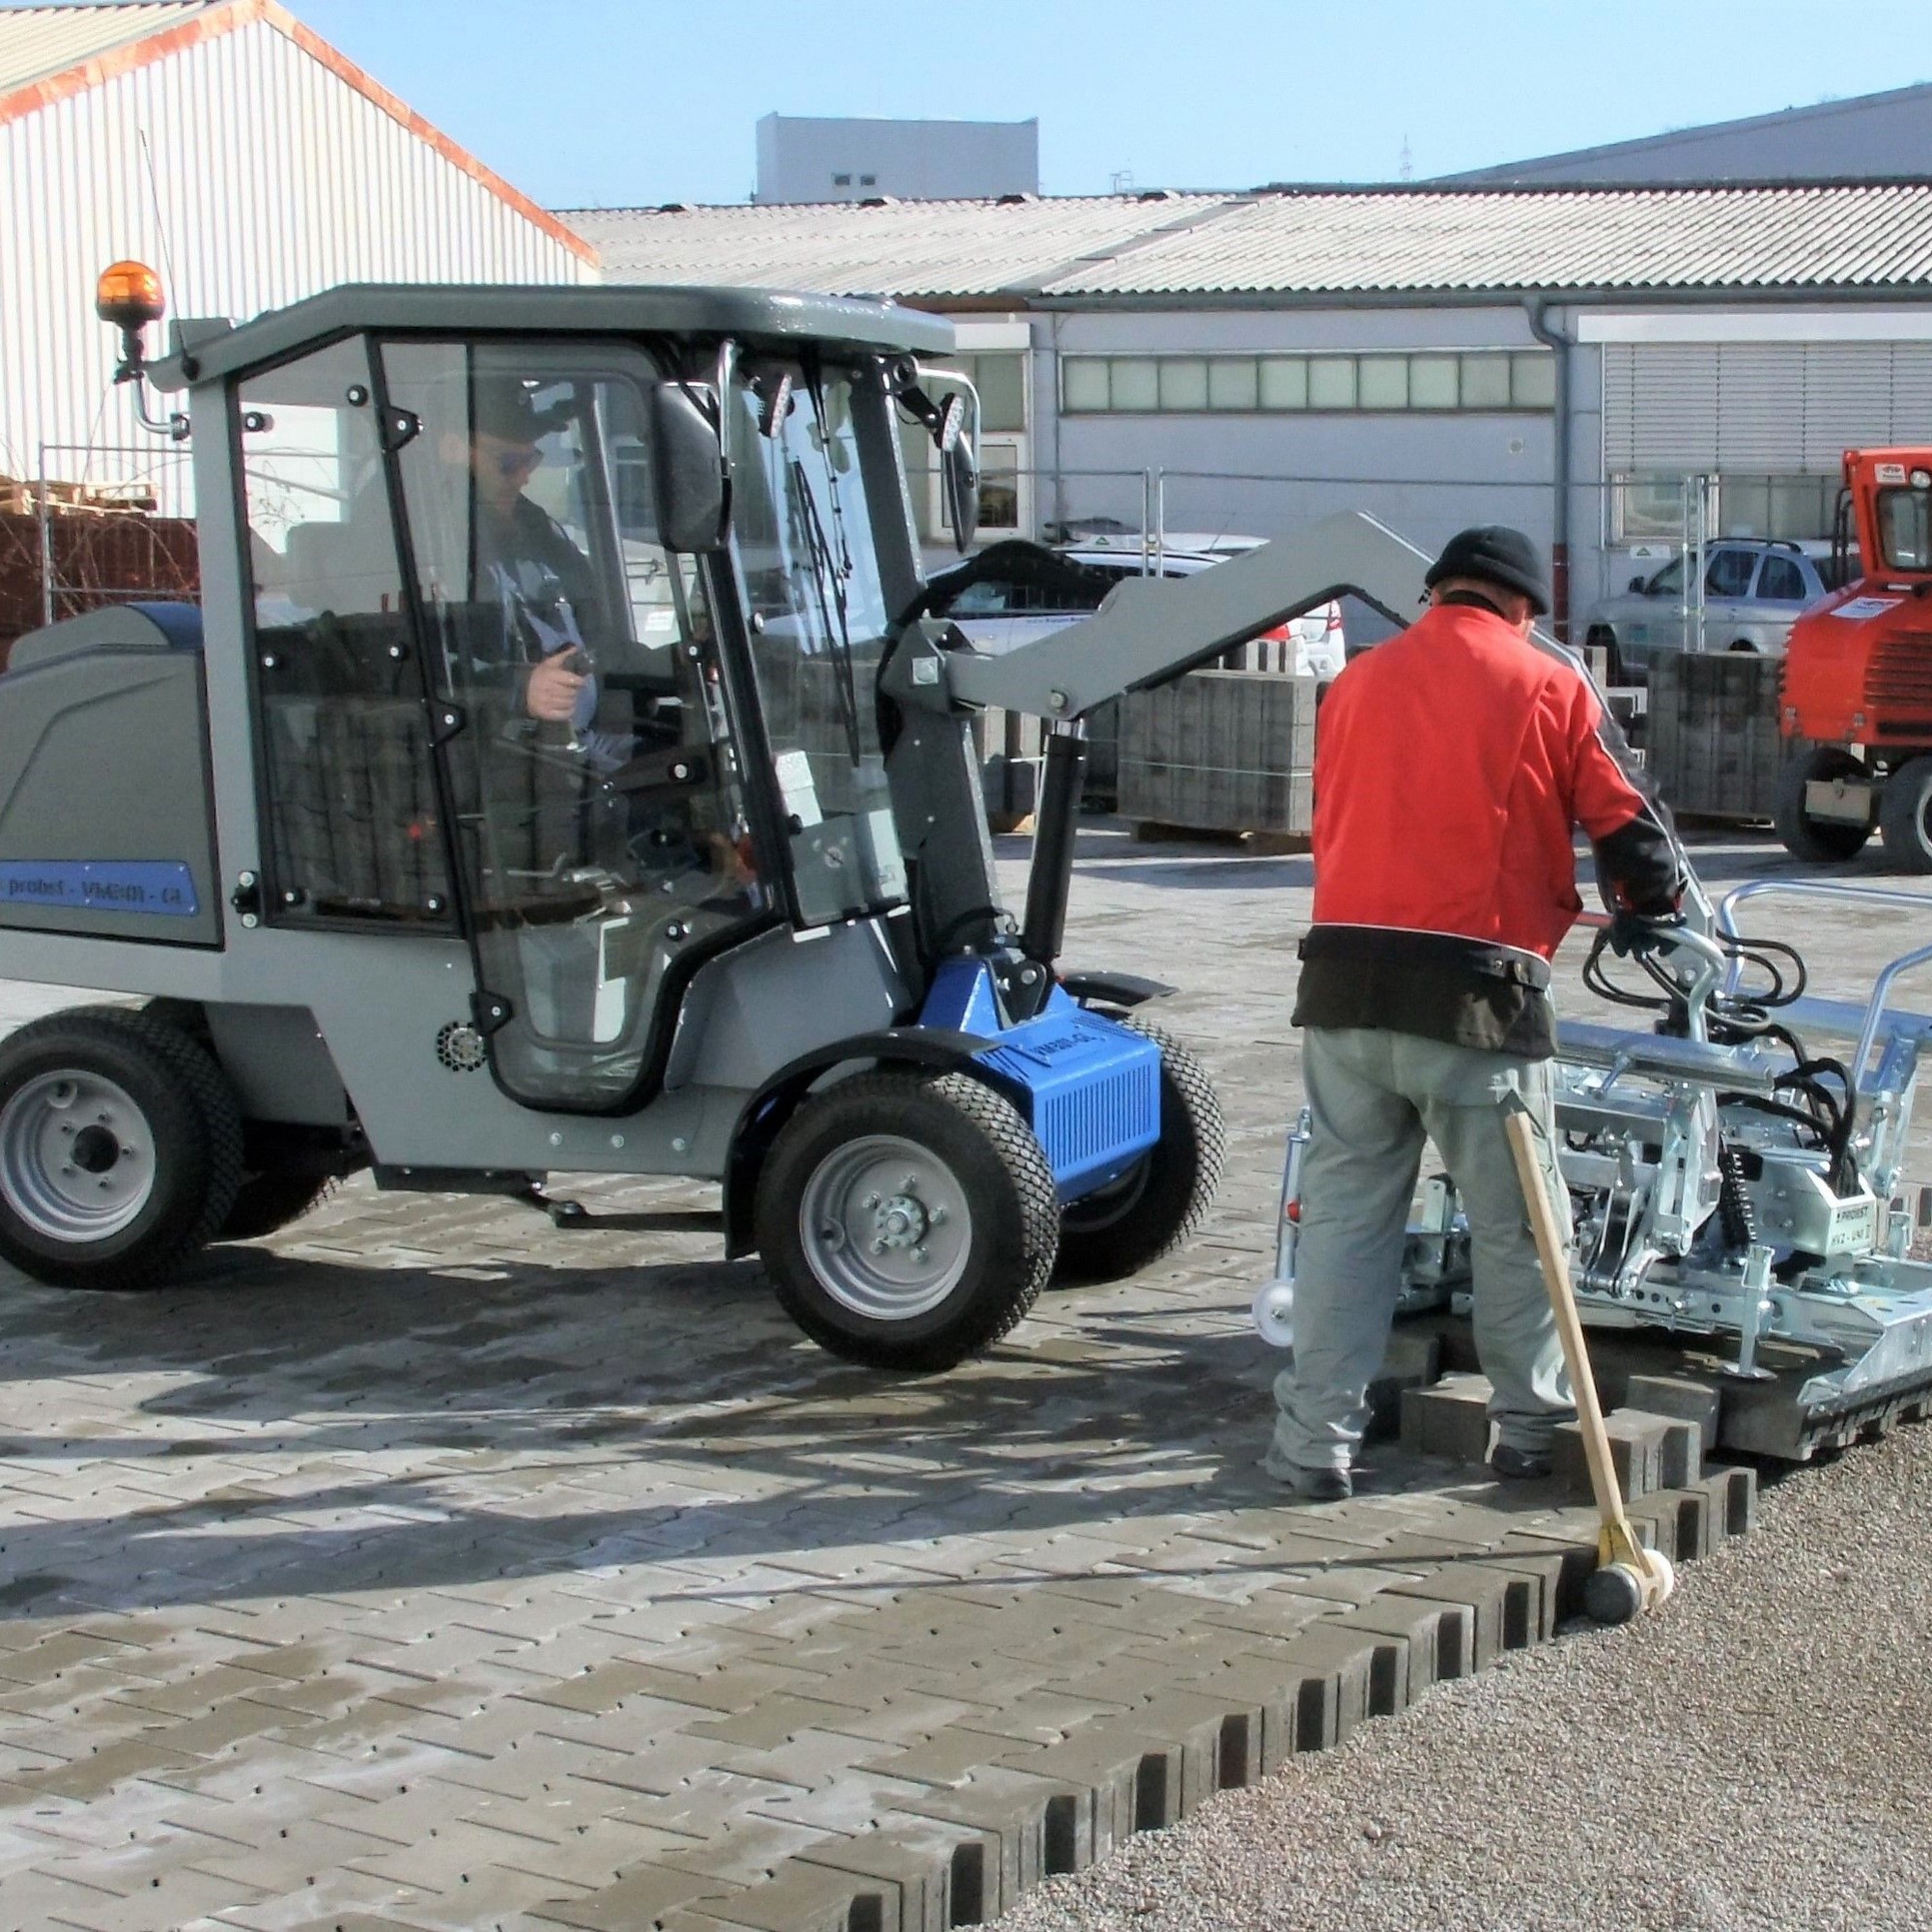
x: 518, y: 677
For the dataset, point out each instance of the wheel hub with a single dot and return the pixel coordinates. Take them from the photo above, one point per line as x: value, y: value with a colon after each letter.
x: 885, y: 1226
x: 899, y: 1222
x: 94, y: 1150
x: 76, y: 1157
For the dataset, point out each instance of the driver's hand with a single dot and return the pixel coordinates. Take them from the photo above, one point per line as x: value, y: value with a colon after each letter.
x: 550, y: 690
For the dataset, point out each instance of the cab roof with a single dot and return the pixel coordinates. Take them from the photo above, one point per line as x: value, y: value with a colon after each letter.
x: 763, y: 315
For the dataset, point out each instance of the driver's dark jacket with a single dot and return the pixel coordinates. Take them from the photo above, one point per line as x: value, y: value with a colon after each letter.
x: 543, y: 584
x: 535, y: 594
x: 1452, y: 766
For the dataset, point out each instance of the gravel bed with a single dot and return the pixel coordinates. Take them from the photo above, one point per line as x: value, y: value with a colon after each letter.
x: 1753, y: 1756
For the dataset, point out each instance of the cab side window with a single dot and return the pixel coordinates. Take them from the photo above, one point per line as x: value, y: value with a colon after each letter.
x: 353, y: 830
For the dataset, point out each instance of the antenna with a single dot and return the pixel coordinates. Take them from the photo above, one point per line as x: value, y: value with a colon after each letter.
x: 1406, y: 167
x: 1122, y: 180
x: 160, y: 220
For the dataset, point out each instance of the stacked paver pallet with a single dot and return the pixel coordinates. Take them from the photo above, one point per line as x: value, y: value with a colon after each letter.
x: 1712, y: 746
x: 1221, y: 750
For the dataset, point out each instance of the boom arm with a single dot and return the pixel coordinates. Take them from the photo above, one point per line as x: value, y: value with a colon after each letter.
x: 1151, y: 629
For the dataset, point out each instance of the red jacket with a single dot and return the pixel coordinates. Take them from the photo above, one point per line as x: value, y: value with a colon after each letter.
x: 1451, y: 767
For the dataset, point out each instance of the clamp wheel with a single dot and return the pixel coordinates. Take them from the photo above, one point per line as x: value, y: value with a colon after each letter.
x: 1273, y: 1313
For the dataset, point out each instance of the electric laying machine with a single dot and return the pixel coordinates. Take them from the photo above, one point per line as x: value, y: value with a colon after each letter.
x: 557, y: 776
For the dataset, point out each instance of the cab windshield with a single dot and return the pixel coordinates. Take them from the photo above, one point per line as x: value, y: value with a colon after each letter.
x: 1905, y: 529
x: 816, y: 609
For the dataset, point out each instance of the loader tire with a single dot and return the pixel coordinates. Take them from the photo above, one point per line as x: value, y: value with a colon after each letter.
x: 1161, y: 1201
x: 907, y: 1219
x: 120, y: 1149
x: 1905, y: 816
x: 1818, y: 841
x: 268, y: 1202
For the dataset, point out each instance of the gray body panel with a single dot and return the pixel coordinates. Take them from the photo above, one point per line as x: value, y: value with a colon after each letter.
x: 103, y: 764
x: 280, y: 1064
x: 779, y: 996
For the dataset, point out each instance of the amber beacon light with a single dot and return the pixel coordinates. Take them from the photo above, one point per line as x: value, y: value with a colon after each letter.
x: 128, y: 295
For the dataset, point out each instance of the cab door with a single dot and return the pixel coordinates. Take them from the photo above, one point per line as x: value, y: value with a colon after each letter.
x: 602, y: 846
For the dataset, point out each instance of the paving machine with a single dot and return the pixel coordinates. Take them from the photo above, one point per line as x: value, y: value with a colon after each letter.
x: 1856, y: 702
x: 561, y: 775
x: 1735, y: 1175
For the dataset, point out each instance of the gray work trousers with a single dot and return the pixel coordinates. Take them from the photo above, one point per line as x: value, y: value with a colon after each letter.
x: 1373, y: 1097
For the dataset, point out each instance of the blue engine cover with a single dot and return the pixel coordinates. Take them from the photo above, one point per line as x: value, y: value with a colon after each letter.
x: 1089, y: 1087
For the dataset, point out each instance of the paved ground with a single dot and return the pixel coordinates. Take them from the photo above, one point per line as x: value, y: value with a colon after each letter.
x: 429, y: 1568
x: 1750, y: 1760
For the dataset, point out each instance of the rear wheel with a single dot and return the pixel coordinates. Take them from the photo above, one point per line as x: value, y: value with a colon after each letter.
x: 120, y: 1149
x: 1161, y: 1200
x: 907, y: 1219
x: 266, y: 1202
x: 1818, y: 841
x: 1905, y: 816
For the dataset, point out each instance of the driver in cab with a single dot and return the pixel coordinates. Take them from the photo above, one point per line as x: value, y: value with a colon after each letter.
x: 523, y: 566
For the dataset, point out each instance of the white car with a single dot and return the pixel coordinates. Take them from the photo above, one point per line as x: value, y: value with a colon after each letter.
x: 997, y: 614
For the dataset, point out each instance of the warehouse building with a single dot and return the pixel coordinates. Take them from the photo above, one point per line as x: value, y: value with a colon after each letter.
x: 227, y: 145
x: 1870, y: 137
x: 1610, y: 368
x: 806, y: 157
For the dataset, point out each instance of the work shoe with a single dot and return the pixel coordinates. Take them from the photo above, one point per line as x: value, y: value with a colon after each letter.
x: 1521, y: 1465
x: 1311, y: 1486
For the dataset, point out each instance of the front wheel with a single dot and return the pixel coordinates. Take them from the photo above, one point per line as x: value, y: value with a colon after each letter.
x: 907, y: 1219
x: 120, y: 1149
x: 1818, y: 841
x: 1162, y: 1199
x: 1905, y: 816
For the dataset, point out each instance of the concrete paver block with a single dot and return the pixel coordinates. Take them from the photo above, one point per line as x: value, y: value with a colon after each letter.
x: 1450, y: 1420
x: 1636, y: 1452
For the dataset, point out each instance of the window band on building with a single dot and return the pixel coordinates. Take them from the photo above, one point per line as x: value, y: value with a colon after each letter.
x: 1447, y: 381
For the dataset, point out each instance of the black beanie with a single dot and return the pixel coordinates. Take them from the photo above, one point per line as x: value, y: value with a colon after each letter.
x: 1494, y: 554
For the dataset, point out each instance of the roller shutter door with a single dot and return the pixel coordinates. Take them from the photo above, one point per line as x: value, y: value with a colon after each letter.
x: 1760, y: 408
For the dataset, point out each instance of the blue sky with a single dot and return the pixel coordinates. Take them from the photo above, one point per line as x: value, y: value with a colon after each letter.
x: 588, y: 101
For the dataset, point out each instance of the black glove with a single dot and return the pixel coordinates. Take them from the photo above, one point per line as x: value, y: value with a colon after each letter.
x: 1640, y: 932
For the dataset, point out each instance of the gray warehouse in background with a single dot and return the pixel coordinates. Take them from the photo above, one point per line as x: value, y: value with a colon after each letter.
x: 1871, y: 137
x: 802, y: 159
x: 1607, y: 368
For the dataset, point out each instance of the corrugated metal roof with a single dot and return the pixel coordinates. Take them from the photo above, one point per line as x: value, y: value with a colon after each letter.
x: 38, y: 41
x: 1299, y: 242
x: 1853, y: 237
x: 907, y: 247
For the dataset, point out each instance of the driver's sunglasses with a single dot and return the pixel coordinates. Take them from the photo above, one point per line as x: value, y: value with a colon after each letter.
x: 518, y: 461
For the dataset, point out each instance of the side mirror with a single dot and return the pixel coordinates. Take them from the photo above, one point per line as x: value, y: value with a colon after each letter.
x: 689, y: 479
x: 958, y: 472
x: 1637, y: 585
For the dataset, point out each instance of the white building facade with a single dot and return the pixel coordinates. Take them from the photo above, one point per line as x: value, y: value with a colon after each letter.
x: 236, y: 151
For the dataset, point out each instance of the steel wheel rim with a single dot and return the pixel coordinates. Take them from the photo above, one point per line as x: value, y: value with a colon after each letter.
x: 885, y: 1227
x: 76, y: 1157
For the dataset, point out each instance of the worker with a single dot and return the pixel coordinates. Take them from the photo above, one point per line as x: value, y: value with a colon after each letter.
x: 1451, y: 766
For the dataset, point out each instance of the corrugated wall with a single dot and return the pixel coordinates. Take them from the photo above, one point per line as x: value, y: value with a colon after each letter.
x: 1760, y: 408
x: 271, y: 178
